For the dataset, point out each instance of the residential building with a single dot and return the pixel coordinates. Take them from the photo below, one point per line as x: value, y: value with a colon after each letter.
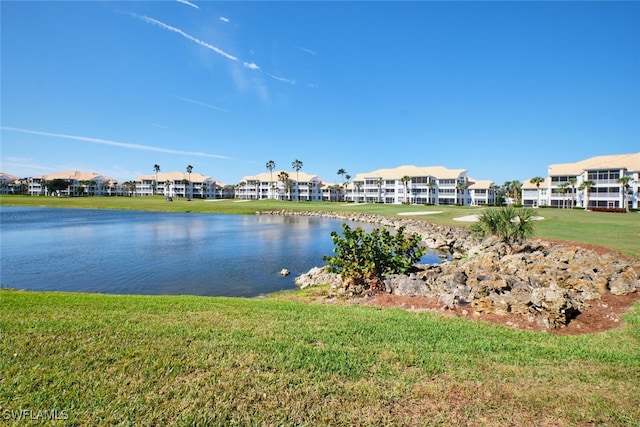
x: 78, y: 184
x: 178, y: 184
x: 596, y: 182
x: 411, y: 184
x: 535, y: 195
x: 10, y: 184
x: 280, y: 185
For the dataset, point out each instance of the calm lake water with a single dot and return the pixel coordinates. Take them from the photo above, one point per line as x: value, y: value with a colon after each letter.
x: 127, y: 252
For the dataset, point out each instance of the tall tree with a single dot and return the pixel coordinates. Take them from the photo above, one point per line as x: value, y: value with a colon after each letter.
x: 624, y: 181
x: 586, y: 186
x: 284, y: 178
x: 572, y: 182
x: 563, y: 188
x: 462, y: 186
x: 405, y: 182
x: 347, y: 178
x: 537, y: 180
x: 516, y: 186
x: 189, y: 169
x: 271, y: 165
x: 297, y: 165
x: 156, y: 168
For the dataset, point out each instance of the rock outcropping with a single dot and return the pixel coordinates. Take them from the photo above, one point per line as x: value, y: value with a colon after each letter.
x: 544, y: 282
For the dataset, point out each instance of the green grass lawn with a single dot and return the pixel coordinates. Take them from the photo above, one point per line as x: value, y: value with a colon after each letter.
x: 618, y: 231
x: 160, y: 360
x: 91, y: 359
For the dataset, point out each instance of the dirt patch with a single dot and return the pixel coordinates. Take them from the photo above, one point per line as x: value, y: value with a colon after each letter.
x: 601, y: 315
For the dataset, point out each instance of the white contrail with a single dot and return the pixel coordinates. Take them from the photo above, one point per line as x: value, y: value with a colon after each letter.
x: 186, y: 36
x: 115, y: 143
x: 188, y: 3
x: 213, y: 107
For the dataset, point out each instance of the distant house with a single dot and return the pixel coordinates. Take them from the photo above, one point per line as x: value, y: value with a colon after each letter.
x: 178, y: 184
x: 435, y: 185
x: 296, y: 186
x: 10, y: 184
x: 79, y: 184
x: 565, y: 184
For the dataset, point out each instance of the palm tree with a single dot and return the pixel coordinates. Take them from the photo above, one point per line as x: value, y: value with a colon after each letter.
x: 572, y: 182
x: 537, y: 180
x: 461, y: 185
x: 167, y: 189
x: 297, y: 165
x: 586, y: 185
x: 189, y: 169
x: 405, y: 181
x: 511, y: 224
x: 624, y: 181
x: 271, y: 165
x: 284, y: 178
x: 431, y: 184
x: 516, y: 186
x: 563, y: 188
x: 358, y: 186
x: 379, y: 184
x: 347, y: 177
x: 156, y: 168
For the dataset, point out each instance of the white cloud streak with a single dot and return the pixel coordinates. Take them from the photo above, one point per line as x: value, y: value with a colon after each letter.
x: 188, y: 4
x: 309, y: 51
x: 202, y: 104
x: 251, y: 65
x: 281, y: 79
x: 223, y: 19
x: 186, y: 36
x: 125, y: 145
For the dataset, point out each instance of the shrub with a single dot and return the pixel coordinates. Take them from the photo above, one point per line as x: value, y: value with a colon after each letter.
x: 510, y: 224
x: 362, y: 258
x: 617, y: 210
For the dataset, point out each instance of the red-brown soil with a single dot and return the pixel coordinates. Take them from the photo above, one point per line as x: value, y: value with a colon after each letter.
x: 601, y: 315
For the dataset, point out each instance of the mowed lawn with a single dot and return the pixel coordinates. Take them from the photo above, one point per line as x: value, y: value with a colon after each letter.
x: 91, y: 359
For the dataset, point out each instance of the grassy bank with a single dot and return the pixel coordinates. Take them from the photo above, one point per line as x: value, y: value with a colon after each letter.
x: 618, y: 231
x: 138, y: 360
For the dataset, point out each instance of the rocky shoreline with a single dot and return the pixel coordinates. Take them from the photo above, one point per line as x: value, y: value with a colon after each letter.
x: 544, y: 282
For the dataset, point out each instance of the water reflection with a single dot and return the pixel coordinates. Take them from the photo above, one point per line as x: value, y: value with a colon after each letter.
x: 128, y: 252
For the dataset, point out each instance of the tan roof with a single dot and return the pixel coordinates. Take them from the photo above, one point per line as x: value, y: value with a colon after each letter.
x: 477, y: 184
x: 75, y: 175
x: 630, y: 162
x: 439, y: 172
x: 527, y: 185
x: 266, y: 176
x: 174, y: 176
x: 8, y: 178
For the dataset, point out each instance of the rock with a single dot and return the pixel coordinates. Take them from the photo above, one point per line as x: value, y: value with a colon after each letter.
x: 318, y: 276
x: 544, y: 282
x: 284, y: 272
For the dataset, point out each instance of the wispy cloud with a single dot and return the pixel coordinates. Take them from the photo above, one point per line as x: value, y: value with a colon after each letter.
x: 281, y: 79
x: 125, y: 145
x: 188, y: 3
x: 202, y: 104
x: 186, y: 36
x: 250, y: 65
x: 223, y: 19
x: 309, y: 51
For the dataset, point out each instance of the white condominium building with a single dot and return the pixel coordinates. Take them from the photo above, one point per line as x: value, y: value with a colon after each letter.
x: 598, y: 182
x: 178, y: 184
x: 280, y: 185
x: 77, y: 184
x: 411, y: 184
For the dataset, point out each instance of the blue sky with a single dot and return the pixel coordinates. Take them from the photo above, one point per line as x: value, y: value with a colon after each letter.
x: 502, y: 89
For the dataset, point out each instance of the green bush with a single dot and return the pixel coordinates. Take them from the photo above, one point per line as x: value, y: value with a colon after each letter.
x: 362, y: 259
